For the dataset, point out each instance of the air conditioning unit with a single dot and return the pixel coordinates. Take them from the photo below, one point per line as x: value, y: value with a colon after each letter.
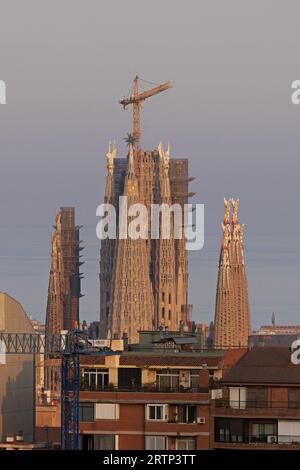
x: 216, y: 394
x: 272, y: 439
x: 99, y: 343
x: 200, y: 420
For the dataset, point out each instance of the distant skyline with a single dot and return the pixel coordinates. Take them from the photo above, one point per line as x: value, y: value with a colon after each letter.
x: 66, y: 64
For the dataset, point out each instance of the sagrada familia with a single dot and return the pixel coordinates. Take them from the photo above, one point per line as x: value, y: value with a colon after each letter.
x: 144, y: 282
x: 232, y: 314
x: 64, y: 289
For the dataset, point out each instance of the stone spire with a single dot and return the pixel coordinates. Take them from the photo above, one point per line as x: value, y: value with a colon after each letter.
x: 131, y: 170
x: 64, y: 287
x: 108, y: 244
x: 132, y: 300
x: 148, y: 179
x: 232, y: 314
x: 110, y: 157
x: 164, y: 282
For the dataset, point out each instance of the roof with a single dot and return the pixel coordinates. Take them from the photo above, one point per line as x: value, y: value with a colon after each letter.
x: 279, y: 328
x: 264, y: 365
x: 168, y: 360
x: 232, y: 356
x: 282, y: 340
x: 162, y: 360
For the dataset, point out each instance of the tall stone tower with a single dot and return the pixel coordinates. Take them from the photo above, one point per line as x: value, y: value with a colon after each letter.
x: 157, y: 179
x: 132, y: 300
x: 232, y: 314
x: 64, y: 287
x: 164, y: 280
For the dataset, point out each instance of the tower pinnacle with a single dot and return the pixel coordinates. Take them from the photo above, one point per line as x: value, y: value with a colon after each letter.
x: 232, y: 315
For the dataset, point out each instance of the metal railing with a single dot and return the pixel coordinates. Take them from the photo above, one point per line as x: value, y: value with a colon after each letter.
x: 141, y: 388
x: 242, y: 405
x: 258, y: 439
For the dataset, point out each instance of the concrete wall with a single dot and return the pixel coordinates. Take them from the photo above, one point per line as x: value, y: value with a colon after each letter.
x: 16, y: 375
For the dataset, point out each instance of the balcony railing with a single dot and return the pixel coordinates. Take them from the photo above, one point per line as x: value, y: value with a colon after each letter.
x: 242, y: 405
x: 149, y: 388
x: 259, y: 439
x: 182, y: 421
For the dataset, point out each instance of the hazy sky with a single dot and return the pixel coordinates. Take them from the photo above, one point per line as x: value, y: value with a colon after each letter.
x: 67, y: 62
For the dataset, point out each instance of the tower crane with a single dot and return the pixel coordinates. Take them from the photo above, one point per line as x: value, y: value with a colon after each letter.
x: 136, y: 100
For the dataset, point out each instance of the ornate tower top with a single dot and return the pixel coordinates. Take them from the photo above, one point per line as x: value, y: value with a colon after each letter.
x: 227, y: 204
x: 164, y: 156
x: 110, y: 156
x: 130, y: 167
x: 235, y: 204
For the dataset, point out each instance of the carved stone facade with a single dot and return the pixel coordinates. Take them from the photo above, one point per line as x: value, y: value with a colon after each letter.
x: 232, y: 314
x: 160, y: 265
x: 64, y: 287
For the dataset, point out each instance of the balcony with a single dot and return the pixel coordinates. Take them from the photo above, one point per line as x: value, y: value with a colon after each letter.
x: 256, y: 408
x: 148, y: 388
x: 178, y: 421
x: 261, y: 441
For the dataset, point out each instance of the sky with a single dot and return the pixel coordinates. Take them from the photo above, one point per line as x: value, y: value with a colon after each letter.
x: 66, y: 63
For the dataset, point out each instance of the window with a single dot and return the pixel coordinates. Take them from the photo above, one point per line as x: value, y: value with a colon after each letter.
x: 237, y: 397
x: 167, y: 380
x: 194, y: 378
x: 155, y: 443
x: 231, y: 430
x: 170, y: 299
x: 169, y: 314
x: 97, y: 442
x: 87, y: 442
x: 95, y: 379
x: 157, y: 412
x: 186, y: 443
x: 261, y: 431
x: 129, y: 377
x: 106, y: 411
x: 163, y: 312
x: 104, y: 442
x: 288, y: 431
x: 107, y: 311
x: 86, y: 412
x: 163, y: 296
x: 257, y: 397
x: 187, y: 413
x: 294, y: 398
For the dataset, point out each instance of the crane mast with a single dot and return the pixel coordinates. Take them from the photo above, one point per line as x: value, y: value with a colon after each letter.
x: 136, y: 100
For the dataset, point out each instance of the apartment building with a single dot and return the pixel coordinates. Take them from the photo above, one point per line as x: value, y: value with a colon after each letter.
x: 154, y: 396
x: 258, y: 404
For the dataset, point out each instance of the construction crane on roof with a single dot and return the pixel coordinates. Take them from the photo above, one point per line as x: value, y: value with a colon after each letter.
x: 136, y: 100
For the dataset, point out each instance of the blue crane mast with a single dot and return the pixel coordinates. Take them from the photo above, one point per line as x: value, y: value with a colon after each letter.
x: 68, y: 348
